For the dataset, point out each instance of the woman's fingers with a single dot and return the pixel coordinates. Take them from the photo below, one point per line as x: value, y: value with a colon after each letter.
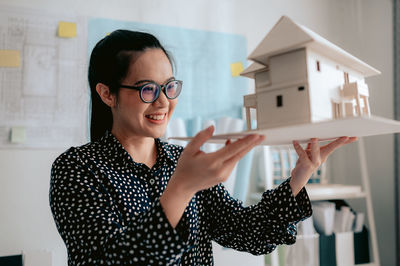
x: 299, y: 150
x: 351, y: 140
x: 234, y: 148
x: 329, y: 148
x: 236, y: 157
x: 309, y: 146
x: 315, y: 152
x: 200, y: 138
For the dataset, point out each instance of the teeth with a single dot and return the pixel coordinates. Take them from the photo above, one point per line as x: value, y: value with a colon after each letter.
x: 156, y: 117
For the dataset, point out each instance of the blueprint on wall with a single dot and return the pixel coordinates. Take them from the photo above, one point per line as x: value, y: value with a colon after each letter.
x: 47, y: 94
x: 203, y: 60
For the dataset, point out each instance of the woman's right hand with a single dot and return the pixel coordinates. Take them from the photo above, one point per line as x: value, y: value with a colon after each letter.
x: 197, y: 170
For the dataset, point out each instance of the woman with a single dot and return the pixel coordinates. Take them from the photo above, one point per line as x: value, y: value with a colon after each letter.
x: 126, y: 198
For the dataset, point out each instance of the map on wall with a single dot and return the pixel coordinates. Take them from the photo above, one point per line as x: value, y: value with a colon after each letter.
x: 43, y: 80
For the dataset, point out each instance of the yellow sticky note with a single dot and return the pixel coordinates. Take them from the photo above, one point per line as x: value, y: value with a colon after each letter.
x: 10, y: 58
x: 66, y: 29
x: 18, y: 134
x: 236, y: 69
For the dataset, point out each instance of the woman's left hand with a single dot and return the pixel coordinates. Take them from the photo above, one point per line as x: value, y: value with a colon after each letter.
x: 311, y: 158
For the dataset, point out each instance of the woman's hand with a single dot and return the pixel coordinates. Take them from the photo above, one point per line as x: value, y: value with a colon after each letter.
x: 197, y: 170
x: 311, y: 158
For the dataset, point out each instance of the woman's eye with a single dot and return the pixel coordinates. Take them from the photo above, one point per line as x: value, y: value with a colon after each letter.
x: 171, y: 87
x: 148, y: 89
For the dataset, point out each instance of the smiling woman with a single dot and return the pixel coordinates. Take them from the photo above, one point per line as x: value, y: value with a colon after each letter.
x: 127, y: 198
x: 132, y: 115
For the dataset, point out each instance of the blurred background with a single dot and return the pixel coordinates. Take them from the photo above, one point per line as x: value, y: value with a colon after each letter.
x: 206, y: 37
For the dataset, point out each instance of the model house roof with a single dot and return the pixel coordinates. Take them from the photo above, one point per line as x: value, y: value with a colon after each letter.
x: 287, y: 35
x: 254, y: 68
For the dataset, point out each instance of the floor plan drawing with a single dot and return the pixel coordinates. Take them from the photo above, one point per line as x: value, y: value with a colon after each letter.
x: 46, y: 92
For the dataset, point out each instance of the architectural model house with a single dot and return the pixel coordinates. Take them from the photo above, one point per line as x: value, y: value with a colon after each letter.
x: 302, y: 78
x: 306, y: 87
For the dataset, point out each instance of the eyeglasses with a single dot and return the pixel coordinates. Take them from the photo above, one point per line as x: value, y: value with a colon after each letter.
x: 150, y: 91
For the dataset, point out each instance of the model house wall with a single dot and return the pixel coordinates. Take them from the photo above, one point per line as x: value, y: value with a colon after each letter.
x: 262, y: 79
x: 285, y: 99
x: 282, y: 106
x: 326, y: 78
x: 288, y: 68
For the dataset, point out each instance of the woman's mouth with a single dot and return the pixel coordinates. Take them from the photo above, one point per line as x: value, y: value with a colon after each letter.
x: 156, y: 118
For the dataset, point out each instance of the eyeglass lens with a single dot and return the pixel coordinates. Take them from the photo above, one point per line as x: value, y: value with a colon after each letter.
x: 151, y: 91
x: 172, y: 89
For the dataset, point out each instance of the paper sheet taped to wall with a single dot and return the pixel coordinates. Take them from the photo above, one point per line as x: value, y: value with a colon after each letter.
x: 18, y: 135
x: 66, y: 29
x: 10, y: 58
x: 236, y: 69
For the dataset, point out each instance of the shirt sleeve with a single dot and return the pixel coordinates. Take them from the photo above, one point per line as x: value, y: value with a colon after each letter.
x: 95, y: 231
x: 259, y: 228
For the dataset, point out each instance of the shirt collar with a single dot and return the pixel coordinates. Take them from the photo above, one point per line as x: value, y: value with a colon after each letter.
x: 164, y: 150
x: 114, y: 149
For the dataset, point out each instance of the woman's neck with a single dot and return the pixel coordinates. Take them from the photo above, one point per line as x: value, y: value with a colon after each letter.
x: 141, y: 149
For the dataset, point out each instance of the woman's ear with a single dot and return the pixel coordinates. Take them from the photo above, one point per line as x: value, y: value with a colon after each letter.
x: 106, y: 96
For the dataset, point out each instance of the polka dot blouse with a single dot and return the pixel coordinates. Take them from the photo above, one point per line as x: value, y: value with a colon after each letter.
x: 107, y: 210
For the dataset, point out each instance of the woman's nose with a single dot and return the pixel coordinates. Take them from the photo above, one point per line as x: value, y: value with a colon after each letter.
x: 162, y: 99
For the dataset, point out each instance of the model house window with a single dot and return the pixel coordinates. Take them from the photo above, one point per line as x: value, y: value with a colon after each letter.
x: 318, y: 66
x: 301, y: 88
x: 279, y: 101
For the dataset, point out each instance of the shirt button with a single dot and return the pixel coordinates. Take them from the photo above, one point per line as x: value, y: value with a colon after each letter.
x: 152, y: 181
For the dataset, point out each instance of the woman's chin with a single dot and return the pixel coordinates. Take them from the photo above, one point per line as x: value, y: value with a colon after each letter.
x: 157, y: 133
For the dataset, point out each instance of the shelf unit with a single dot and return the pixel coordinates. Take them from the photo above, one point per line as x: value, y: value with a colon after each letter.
x: 319, y: 192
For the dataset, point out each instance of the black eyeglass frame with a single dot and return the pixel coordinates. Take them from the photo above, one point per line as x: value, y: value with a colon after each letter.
x: 161, y: 88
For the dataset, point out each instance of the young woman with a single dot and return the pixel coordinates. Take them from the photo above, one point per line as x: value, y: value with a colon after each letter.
x: 127, y: 198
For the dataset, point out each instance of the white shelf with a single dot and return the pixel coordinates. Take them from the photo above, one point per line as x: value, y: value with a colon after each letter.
x: 333, y: 191
x: 326, y: 192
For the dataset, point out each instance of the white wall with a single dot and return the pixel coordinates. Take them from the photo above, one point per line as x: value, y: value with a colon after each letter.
x: 26, y: 222
x: 363, y: 27
x: 369, y: 36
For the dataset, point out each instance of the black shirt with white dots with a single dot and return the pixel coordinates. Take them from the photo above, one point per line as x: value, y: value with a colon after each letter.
x: 107, y: 210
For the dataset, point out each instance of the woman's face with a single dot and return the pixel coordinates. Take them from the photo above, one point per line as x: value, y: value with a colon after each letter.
x: 132, y: 115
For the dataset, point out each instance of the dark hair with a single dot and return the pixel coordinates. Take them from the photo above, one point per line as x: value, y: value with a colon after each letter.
x: 109, y: 64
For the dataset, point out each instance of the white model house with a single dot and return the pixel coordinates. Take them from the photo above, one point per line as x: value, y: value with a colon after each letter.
x: 301, y: 77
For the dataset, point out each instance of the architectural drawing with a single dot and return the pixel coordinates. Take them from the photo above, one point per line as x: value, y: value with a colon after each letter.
x: 47, y: 94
